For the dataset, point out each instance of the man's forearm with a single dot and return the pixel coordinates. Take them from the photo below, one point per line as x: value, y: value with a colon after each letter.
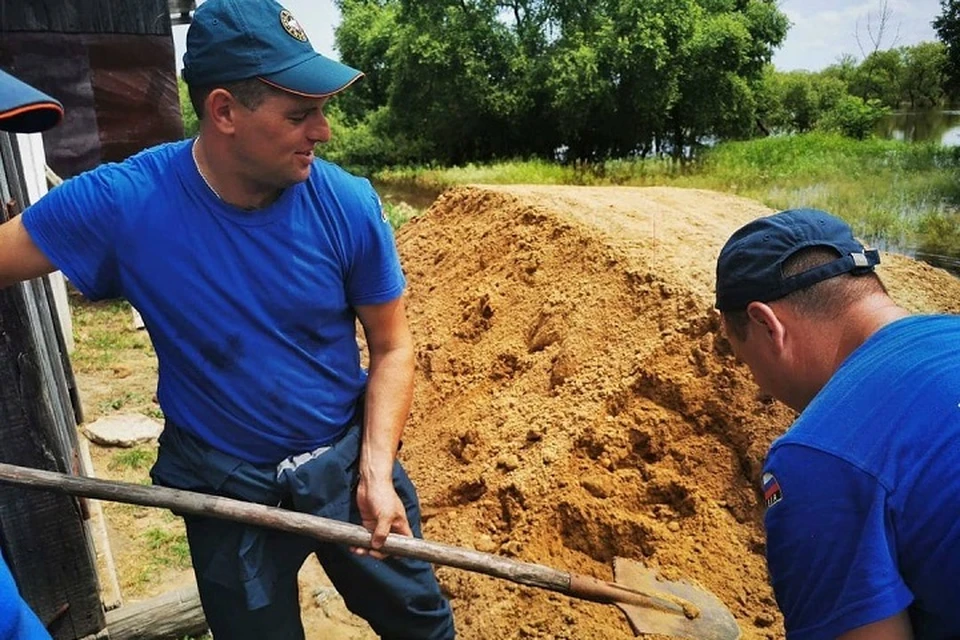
x: 387, y: 405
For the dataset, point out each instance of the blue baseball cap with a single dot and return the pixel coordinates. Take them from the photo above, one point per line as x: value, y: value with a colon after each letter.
x: 750, y: 266
x: 24, y: 109
x: 232, y: 40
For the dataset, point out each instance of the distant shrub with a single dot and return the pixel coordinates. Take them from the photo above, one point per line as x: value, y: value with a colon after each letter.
x: 853, y: 117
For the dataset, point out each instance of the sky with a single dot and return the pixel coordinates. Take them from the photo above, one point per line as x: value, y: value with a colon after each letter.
x: 821, y: 31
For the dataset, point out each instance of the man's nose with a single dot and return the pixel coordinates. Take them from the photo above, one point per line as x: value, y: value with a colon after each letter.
x: 319, y: 130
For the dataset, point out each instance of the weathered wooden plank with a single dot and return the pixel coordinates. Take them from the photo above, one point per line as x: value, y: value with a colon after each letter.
x: 42, y: 323
x: 111, y: 596
x: 170, y: 615
x: 42, y: 535
x: 87, y: 16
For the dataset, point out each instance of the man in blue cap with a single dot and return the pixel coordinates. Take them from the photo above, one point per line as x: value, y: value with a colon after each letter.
x: 23, y: 109
x: 862, y: 492
x: 250, y: 261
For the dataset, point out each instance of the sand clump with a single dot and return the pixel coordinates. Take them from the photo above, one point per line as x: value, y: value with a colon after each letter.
x: 575, y: 400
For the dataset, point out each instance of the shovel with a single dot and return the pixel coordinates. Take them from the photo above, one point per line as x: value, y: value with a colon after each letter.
x: 677, y: 609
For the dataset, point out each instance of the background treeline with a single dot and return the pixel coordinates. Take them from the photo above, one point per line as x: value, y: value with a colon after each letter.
x: 456, y: 81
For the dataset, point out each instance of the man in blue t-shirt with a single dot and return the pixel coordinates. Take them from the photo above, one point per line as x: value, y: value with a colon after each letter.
x: 250, y: 261
x: 862, y: 493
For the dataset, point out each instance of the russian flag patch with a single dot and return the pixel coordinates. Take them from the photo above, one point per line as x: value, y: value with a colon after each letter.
x: 772, y: 494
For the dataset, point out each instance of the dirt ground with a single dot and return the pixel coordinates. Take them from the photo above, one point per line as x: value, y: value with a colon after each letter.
x: 575, y: 402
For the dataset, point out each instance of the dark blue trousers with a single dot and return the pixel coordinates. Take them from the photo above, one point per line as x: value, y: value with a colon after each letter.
x: 247, y: 576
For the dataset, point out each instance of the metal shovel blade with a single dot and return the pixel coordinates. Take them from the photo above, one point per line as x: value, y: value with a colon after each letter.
x: 706, y: 617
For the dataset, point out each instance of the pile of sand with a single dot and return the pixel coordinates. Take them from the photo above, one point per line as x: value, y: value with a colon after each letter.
x: 575, y: 400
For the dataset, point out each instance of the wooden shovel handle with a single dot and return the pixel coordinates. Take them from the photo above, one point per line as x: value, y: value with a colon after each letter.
x: 327, y: 530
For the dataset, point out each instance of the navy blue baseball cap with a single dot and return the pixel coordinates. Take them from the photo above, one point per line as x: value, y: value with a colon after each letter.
x: 232, y: 40
x: 24, y: 109
x: 750, y: 266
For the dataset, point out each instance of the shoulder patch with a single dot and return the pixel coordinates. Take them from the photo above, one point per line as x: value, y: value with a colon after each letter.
x: 772, y: 494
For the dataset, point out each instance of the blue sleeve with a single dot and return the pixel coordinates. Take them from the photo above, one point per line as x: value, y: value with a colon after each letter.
x: 76, y: 228
x: 375, y: 275
x: 831, y: 549
x: 17, y: 621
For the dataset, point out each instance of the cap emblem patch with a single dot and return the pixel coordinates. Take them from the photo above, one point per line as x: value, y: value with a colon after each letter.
x: 291, y: 26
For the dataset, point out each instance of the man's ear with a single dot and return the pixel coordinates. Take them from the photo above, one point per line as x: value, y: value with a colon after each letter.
x: 221, y: 109
x: 767, y: 325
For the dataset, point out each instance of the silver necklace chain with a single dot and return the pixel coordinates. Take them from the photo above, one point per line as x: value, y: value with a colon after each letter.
x: 196, y: 163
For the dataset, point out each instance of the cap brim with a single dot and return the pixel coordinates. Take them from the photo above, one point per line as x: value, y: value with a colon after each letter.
x: 317, y: 77
x: 24, y: 109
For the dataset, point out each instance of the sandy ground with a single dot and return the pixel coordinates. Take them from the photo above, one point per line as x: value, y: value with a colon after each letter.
x: 576, y: 402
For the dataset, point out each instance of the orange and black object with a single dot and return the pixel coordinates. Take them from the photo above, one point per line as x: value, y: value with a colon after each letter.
x: 24, y: 109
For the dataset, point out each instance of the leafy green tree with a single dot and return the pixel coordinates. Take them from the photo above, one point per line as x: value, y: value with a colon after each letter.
x: 364, y: 38
x: 797, y: 100
x: 769, y: 91
x: 924, y: 67
x: 662, y: 75
x: 800, y: 101
x: 947, y: 26
x: 615, y: 73
x: 471, y: 80
x: 880, y: 77
x: 461, y: 80
x: 844, y: 69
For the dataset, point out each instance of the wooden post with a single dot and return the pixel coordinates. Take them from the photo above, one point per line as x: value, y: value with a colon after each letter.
x: 43, y: 535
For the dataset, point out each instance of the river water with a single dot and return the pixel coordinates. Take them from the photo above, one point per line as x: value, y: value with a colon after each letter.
x: 941, y: 126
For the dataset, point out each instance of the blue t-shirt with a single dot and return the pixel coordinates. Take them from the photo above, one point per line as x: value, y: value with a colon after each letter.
x: 251, y: 313
x: 17, y: 620
x: 863, y: 491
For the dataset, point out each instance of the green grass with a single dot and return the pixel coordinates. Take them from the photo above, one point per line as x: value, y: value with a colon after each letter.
x: 166, y: 550
x: 136, y: 458
x: 169, y: 549
x: 154, y: 412
x: 103, y: 331
x: 126, y: 399
x: 892, y: 191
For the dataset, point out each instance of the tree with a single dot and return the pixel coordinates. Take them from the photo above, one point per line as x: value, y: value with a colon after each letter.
x: 924, y: 67
x: 844, y: 69
x: 800, y: 99
x: 454, y: 81
x: 880, y: 77
x: 364, y: 38
x: 947, y: 26
x: 615, y: 73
